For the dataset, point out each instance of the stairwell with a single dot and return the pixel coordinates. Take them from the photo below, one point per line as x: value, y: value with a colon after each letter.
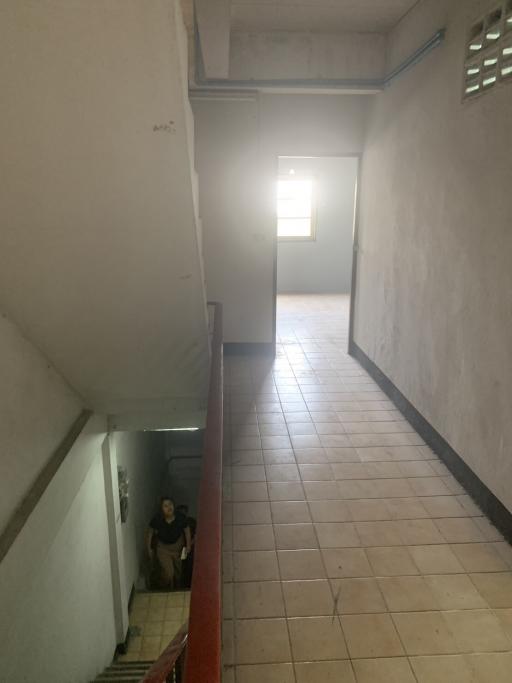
x: 124, y: 672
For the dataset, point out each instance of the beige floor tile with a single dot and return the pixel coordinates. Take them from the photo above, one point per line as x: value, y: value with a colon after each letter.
x: 348, y: 471
x: 285, y: 491
x: 459, y: 530
x: 228, y: 642
x: 258, y: 599
x: 491, y: 668
x: 406, y: 508
x: 326, y: 672
x: 308, y: 598
x: 393, y: 670
x: 330, y: 511
x: 371, y: 635
x: 316, y: 639
x: 443, y: 669
x: 368, y: 510
x: 228, y: 603
x: 249, y: 491
x: 253, y: 537
x: 310, y: 456
x: 262, y: 641
x: 173, y: 613
x: 425, y: 633
x: 290, y: 512
x: 416, y: 468
x: 247, y: 458
x: 280, y: 456
x: 255, y: 565
x: 358, y: 596
x: 252, y: 513
x: 429, y: 486
x: 316, y: 473
x: 337, y: 535
x: 378, y: 534
x: 153, y: 628
x: 455, y: 591
x: 495, y: 588
x: 295, y: 536
x: 393, y: 561
x: 479, y: 557
x: 171, y: 628
x: 301, y: 564
x: 505, y: 617
x: 321, y: 490
x: 282, y: 473
x: 443, y: 506
x: 343, y: 454
x: 354, y: 489
x: 265, y: 673
x: 407, y: 594
x: 248, y: 473
x: 419, y: 532
x: 346, y: 562
x: 435, y: 559
x: 227, y: 566
x: 477, y: 631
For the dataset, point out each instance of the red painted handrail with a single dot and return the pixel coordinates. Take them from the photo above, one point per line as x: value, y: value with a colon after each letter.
x: 204, y: 637
x: 202, y: 647
x: 169, y: 659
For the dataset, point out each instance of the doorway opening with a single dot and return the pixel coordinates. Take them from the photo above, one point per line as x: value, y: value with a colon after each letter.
x: 315, y: 231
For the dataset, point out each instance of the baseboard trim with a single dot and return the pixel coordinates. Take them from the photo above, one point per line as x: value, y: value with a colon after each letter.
x: 499, y: 515
x: 249, y: 349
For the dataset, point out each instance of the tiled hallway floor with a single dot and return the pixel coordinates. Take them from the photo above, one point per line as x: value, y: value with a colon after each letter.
x: 351, y: 554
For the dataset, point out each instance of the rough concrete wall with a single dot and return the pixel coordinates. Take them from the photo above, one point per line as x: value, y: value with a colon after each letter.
x: 37, y: 408
x: 434, y: 286
x: 322, y: 265
x: 238, y: 142
x: 285, y: 55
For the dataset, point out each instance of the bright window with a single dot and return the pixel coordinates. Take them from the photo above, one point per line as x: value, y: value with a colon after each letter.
x: 295, y: 209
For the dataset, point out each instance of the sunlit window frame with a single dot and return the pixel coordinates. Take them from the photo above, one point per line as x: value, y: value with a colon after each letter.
x: 312, y: 232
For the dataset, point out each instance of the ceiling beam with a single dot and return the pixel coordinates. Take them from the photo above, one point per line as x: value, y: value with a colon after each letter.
x: 213, y: 19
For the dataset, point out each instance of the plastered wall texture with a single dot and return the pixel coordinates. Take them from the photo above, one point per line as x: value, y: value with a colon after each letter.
x: 434, y: 286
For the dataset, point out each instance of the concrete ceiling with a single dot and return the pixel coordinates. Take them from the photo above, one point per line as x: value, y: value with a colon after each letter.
x: 317, y: 15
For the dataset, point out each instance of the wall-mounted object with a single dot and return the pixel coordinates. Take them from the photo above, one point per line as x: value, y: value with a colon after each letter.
x: 123, y: 484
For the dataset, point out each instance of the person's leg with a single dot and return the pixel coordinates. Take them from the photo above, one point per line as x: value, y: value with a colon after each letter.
x: 166, y: 561
x: 177, y: 564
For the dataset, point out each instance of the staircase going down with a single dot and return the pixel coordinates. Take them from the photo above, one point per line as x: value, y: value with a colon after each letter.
x: 125, y: 672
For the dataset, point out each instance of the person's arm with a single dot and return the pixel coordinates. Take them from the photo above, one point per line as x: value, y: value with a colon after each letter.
x: 149, y: 542
x: 188, y: 539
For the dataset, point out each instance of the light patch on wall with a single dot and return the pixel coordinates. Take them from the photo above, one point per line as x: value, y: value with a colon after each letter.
x: 295, y: 207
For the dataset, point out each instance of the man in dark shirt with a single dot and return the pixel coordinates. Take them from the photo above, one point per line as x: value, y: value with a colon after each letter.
x: 169, y: 533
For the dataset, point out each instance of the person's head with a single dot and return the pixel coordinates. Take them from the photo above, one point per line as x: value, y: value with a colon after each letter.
x: 182, y: 509
x: 167, y: 507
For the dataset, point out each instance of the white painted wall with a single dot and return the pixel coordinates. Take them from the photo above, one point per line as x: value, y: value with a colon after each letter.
x: 238, y: 142
x: 56, y: 620
x: 99, y: 249
x: 143, y: 455
x: 322, y: 265
x: 434, y: 286
x: 37, y: 408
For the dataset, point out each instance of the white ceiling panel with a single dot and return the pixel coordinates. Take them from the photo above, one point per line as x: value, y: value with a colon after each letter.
x: 317, y: 15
